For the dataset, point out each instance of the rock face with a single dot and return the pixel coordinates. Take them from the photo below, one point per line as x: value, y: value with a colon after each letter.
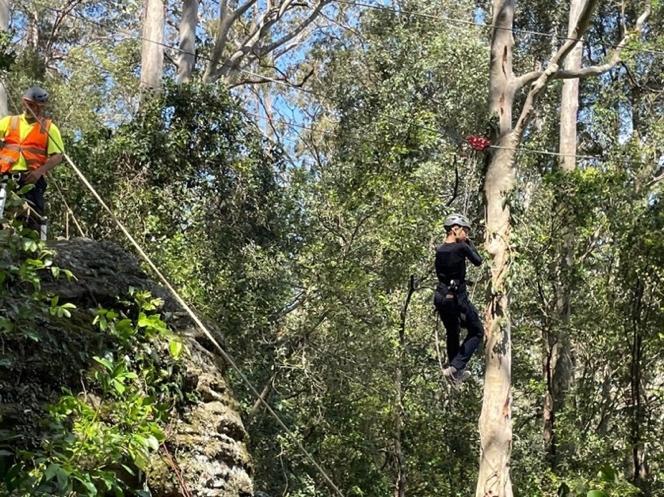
x: 207, y: 452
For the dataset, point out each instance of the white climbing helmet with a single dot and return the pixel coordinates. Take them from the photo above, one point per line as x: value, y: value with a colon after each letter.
x: 456, y: 220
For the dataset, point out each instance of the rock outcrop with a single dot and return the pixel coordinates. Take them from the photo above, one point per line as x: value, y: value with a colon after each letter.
x: 206, y: 448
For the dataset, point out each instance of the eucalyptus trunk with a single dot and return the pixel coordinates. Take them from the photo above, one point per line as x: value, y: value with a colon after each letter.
x: 495, y: 424
x: 152, y: 49
x: 4, y: 27
x: 187, y: 57
x: 496, y: 419
x: 558, y: 363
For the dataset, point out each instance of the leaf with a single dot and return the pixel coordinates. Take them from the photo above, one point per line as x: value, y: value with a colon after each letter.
x: 153, y: 443
x: 597, y: 493
x: 152, y: 323
x: 608, y: 474
x: 51, y: 471
x: 118, y: 386
x: 89, y: 486
x: 124, y: 328
x: 104, y: 362
x: 63, y: 478
x: 55, y: 470
x: 175, y: 348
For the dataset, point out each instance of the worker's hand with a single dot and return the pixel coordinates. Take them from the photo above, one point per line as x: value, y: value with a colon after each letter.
x: 31, y: 177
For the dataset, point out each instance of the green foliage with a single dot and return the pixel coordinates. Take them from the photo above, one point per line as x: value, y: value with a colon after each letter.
x: 304, y: 265
x: 607, y: 483
x: 23, y: 261
x: 94, y: 442
x: 7, y: 52
x: 196, y: 183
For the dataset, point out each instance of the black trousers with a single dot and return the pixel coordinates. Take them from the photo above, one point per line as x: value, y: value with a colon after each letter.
x: 456, y: 311
x: 36, y: 198
x: 36, y: 195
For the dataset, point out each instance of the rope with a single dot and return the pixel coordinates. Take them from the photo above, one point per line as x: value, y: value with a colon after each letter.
x: 194, y: 316
x: 491, y: 26
x: 129, y: 35
x: 70, y: 212
x: 457, y: 20
x: 517, y: 149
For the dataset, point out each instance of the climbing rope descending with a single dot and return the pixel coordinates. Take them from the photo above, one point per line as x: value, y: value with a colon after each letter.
x: 70, y: 212
x: 196, y: 319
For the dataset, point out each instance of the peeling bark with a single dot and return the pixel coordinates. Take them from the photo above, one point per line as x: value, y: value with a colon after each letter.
x: 495, y: 424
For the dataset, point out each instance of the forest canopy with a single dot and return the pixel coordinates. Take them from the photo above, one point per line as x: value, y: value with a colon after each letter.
x: 289, y: 167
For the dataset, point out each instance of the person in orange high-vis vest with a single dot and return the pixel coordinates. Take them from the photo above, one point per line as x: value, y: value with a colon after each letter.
x: 31, y: 146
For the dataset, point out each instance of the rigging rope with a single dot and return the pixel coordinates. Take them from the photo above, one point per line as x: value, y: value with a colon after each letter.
x: 288, y: 84
x: 492, y: 26
x: 463, y: 22
x: 195, y: 318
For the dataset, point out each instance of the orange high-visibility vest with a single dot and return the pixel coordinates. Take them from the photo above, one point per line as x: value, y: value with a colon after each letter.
x: 34, y: 147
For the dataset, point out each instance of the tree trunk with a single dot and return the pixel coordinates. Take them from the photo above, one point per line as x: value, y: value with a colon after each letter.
x: 188, y: 23
x: 639, y: 465
x: 4, y: 26
x: 558, y: 362
x: 152, y: 49
x: 400, y: 484
x: 495, y: 424
x: 569, y: 104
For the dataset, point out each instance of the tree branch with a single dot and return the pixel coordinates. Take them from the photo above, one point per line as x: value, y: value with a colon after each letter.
x: 590, y: 71
x: 541, y: 82
x: 250, y: 47
x: 295, y: 32
x: 226, y: 20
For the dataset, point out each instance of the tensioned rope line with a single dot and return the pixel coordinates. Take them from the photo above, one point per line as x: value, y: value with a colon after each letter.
x: 517, y: 149
x: 307, y: 91
x: 310, y: 92
x: 492, y: 26
x: 196, y: 319
x: 465, y: 22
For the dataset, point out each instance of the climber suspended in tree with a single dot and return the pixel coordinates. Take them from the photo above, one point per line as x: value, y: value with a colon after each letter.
x: 31, y: 147
x: 451, y: 298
